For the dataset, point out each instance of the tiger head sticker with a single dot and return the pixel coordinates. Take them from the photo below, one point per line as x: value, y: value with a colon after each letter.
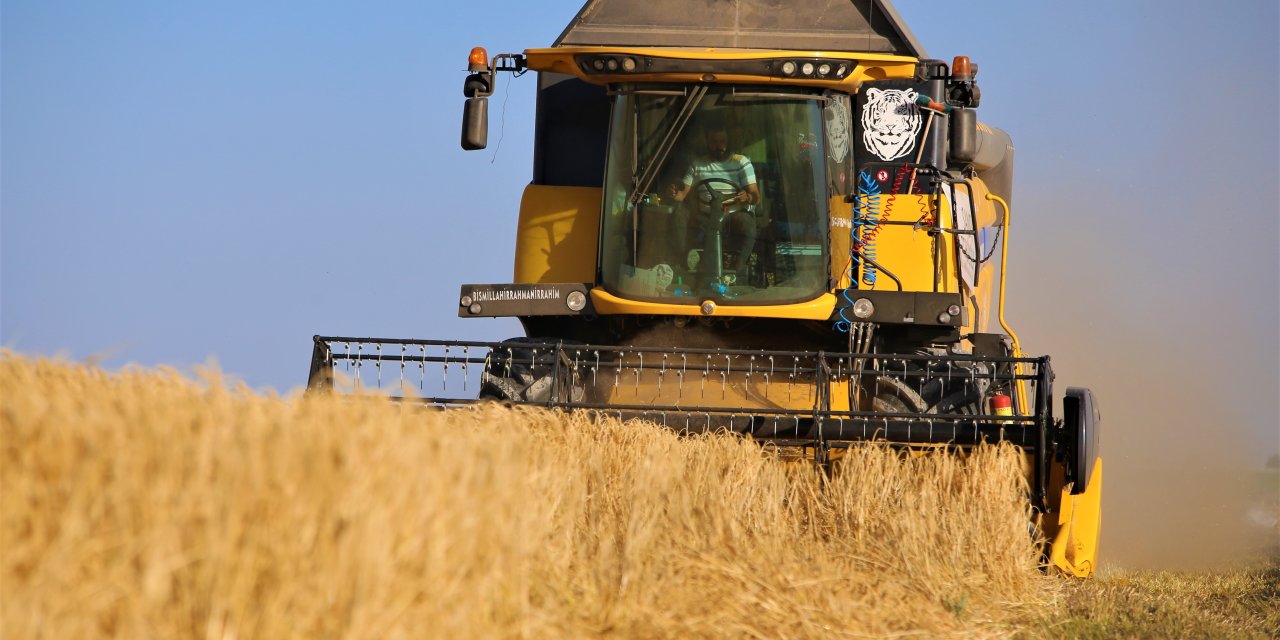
x: 890, y: 122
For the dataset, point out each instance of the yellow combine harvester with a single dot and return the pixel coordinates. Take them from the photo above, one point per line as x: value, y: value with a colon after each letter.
x: 781, y: 221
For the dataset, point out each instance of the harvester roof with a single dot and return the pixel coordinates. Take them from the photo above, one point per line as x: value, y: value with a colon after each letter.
x: 871, y: 26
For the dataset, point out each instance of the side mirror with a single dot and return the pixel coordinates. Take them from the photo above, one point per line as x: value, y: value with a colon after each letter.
x: 964, y: 137
x: 475, y: 124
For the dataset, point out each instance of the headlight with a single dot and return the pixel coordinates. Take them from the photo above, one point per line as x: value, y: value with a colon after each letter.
x: 824, y: 69
x: 863, y: 309
x: 807, y: 69
x: 788, y: 68
x: 628, y: 64
x: 576, y: 301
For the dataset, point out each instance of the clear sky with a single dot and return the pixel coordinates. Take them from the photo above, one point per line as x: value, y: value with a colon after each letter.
x: 186, y: 181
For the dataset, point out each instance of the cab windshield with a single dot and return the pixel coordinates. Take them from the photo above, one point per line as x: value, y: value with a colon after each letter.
x: 715, y: 192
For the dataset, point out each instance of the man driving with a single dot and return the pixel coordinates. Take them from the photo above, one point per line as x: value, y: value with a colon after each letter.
x: 729, y: 179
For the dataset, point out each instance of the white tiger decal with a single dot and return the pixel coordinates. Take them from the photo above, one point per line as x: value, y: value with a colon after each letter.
x: 890, y: 122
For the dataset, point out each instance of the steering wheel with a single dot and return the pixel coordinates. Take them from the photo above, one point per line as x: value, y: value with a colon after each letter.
x: 713, y: 194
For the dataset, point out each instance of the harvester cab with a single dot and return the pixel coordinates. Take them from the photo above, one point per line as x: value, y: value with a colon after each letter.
x: 742, y: 220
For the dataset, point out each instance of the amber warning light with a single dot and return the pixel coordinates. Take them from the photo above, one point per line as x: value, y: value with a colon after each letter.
x: 478, y: 60
x: 961, y: 69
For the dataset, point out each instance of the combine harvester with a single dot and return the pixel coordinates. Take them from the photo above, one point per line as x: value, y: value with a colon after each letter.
x: 780, y: 221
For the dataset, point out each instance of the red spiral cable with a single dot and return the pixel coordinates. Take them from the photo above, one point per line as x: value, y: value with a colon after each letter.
x: 870, y: 235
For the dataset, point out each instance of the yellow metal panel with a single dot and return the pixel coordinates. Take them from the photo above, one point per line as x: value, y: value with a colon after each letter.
x: 908, y: 252
x: 839, y: 228
x: 869, y: 66
x: 819, y: 308
x: 1075, y: 547
x: 557, y: 236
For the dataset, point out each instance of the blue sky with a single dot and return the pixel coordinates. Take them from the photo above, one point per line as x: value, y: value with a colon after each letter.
x: 186, y: 181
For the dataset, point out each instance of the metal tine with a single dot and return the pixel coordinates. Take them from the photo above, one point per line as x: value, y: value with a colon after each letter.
x: 706, y: 372
x: 684, y: 364
x: 751, y: 365
x: 466, y: 357
x: 767, y: 380
x: 595, y: 368
x: 662, y: 372
x: 422, y: 367
x: 638, y: 370
x: 444, y: 374
x: 617, y: 375
x: 510, y: 356
x: 359, y: 353
x: 791, y: 379
x: 577, y: 358
x: 377, y: 364
x: 724, y: 376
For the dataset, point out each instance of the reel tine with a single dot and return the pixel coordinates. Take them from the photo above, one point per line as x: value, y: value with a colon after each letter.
x: 444, y: 373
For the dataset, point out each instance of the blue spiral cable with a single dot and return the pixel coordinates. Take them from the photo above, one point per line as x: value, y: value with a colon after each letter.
x: 865, y: 225
x: 866, y: 215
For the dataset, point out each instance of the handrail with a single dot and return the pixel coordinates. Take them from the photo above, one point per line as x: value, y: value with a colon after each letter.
x: 1004, y: 268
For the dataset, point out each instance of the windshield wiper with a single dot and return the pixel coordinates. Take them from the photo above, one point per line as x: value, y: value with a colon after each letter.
x: 650, y: 173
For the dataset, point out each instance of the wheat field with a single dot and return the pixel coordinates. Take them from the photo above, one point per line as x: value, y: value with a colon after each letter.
x: 141, y: 504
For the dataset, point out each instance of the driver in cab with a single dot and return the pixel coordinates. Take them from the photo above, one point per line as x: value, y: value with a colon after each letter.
x: 729, y: 178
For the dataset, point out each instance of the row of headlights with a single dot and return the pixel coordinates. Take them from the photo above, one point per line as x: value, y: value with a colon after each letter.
x: 612, y: 64
x: 819, y: 68
x: 815, y: 69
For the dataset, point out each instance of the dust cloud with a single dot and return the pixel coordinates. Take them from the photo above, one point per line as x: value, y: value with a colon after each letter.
x: 1179, y: 345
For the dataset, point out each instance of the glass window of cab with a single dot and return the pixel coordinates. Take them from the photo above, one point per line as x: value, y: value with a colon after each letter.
x: 716, y: 192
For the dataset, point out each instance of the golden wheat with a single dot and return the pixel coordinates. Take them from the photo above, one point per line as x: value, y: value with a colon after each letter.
x: 140, y: 505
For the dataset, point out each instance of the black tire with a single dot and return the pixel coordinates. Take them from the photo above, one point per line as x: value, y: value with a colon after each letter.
x: 921, y: 390
x: 524, y: 373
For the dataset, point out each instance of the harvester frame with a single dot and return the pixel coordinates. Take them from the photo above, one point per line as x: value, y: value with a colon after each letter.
x: 851, y: 234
